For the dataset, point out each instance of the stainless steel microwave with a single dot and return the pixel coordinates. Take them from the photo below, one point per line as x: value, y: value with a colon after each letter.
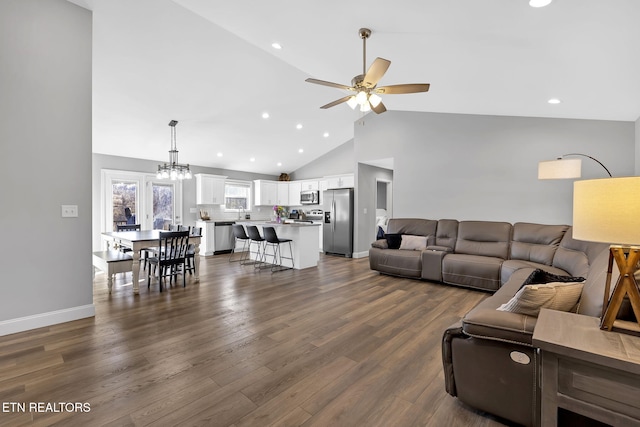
x: 310, y: 197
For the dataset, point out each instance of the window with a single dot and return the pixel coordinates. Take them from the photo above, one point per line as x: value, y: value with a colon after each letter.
x: 237, y: 195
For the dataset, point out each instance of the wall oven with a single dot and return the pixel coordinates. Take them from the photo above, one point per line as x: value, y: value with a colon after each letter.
x: 310, y: 197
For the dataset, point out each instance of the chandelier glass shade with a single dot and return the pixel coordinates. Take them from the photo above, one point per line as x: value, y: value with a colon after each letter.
x: 173, y: 170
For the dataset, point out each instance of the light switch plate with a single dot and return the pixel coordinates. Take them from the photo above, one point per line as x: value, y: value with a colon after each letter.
x: 69, y: 211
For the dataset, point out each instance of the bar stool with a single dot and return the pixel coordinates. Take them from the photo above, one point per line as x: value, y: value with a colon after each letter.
x: 255, y: 237
x: 240, y: 235
x: 273, y: 240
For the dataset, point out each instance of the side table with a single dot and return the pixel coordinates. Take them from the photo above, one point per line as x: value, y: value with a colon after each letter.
x: 586, y: 370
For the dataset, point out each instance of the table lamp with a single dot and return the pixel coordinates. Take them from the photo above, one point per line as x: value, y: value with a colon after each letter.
x: 608, y: 210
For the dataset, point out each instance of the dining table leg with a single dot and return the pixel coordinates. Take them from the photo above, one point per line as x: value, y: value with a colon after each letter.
x: 135, y: 266
x: 196, y: 260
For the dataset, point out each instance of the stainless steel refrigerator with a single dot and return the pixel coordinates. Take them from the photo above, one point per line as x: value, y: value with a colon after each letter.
x: 337, y: 230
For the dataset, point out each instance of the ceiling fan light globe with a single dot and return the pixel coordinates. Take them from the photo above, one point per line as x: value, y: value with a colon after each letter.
x: 361, y: 98
x: 351, y: 102
x: 539, y: 3
x: 365, y: 107
x: 375, y: 100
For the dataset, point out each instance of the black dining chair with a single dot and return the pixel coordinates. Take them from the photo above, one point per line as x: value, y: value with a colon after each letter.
x: 190, y: 264
x: 127, y: 227
x: 255, y: 237
x: 272, y: 240
x: 240, y: 236
x: 170, y: 257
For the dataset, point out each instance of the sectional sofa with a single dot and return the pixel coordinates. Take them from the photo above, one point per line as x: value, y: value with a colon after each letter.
x: 488, y: 358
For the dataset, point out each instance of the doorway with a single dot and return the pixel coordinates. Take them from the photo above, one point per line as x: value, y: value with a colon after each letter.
x: 384, y: 203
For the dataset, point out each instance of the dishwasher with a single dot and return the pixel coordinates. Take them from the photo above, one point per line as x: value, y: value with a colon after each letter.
x: 223, y: 237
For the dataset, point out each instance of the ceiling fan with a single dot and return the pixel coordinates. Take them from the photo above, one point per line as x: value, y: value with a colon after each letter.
x: 365, y: 84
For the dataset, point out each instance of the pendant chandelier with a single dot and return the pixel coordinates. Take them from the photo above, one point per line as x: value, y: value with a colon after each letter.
x: 173, y: 169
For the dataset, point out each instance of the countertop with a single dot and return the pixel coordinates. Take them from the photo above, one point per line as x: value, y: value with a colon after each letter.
x: 277, y: 224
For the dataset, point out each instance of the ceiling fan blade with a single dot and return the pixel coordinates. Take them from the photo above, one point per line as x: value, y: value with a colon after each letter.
x: 375, y: 72
x: 407, y: 88
x: 330, y: 84
x: 379, y: 109
x: 336, y: 102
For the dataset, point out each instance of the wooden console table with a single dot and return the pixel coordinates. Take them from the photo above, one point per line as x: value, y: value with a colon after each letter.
x: 586, y: 370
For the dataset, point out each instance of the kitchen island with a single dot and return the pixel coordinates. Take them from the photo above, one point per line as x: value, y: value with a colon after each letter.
x: 304, y: 245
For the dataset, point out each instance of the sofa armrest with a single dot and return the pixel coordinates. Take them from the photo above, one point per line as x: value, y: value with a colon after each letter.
x: 380, y: 244
x: 485, y: 321
x: 453, y: 331
x: 439, y: 248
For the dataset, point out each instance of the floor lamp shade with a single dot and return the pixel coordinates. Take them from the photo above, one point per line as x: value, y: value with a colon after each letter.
x: 560, y: 169
x: 607, y: 210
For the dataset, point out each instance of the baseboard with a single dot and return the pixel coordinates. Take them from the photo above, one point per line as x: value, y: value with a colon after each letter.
x: 41, y: 320
x: 361, y: 254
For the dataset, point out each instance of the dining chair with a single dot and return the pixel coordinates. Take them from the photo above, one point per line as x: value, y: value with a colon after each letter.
x: 190, y: 264
x: 127, y: 227
x: 170, y: 257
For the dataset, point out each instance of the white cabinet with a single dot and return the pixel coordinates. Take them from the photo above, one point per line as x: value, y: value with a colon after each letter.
x: 340, y: 181
x: 283, y: 194
x: 308, y: 185
x: 294, y: 193
x: 266, y: 192
x: 209, y: 189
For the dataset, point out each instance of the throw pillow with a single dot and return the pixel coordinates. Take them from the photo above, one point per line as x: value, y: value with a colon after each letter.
x: 413, y: 243
x: 539, y: 276
x: 393, y: 240
x: 380, y: 244
x: 530, y: 299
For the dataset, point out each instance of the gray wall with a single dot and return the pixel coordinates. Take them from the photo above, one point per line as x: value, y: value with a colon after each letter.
x: 485, y: 167
x: 338, y: 161
x: 45, y: 129
x: 102, y: 161
x: 366, y: 189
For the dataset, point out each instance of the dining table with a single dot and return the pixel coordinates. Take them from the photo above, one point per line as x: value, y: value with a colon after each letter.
x: 139, y: 240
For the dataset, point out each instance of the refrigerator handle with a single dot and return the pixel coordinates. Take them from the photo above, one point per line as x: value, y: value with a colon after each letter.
x: 333, y: 214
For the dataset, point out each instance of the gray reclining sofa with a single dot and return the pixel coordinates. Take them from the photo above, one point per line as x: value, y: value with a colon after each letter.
x: 488, y: 357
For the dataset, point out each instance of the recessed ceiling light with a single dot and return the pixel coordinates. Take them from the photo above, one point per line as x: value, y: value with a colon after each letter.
x: 299, y: 126
x: 300, y: 150
x: 219, y: 154
x: 276, y: 45
x: 265, y: 115
x: 554, y: 101
x: 279, y: 163
x: 539, y: 3
x: 326, y: 135
x: 253, y: 159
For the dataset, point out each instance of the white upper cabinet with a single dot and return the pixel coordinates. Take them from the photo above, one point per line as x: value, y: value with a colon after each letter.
x: 266, y: 192
x: 209, y: 189
x: 308, y: 185
x: 295, y: 187
x: 283, y: 193
x: 339, y: 181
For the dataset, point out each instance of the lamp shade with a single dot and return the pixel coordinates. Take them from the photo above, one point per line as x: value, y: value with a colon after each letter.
x: 607, y: 210
x: 560, y: 169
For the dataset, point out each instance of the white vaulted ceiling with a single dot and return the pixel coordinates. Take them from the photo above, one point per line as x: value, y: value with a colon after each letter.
x: 209, y: 64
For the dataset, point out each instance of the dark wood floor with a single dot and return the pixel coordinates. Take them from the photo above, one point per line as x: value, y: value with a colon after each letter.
x: 339, y: 345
